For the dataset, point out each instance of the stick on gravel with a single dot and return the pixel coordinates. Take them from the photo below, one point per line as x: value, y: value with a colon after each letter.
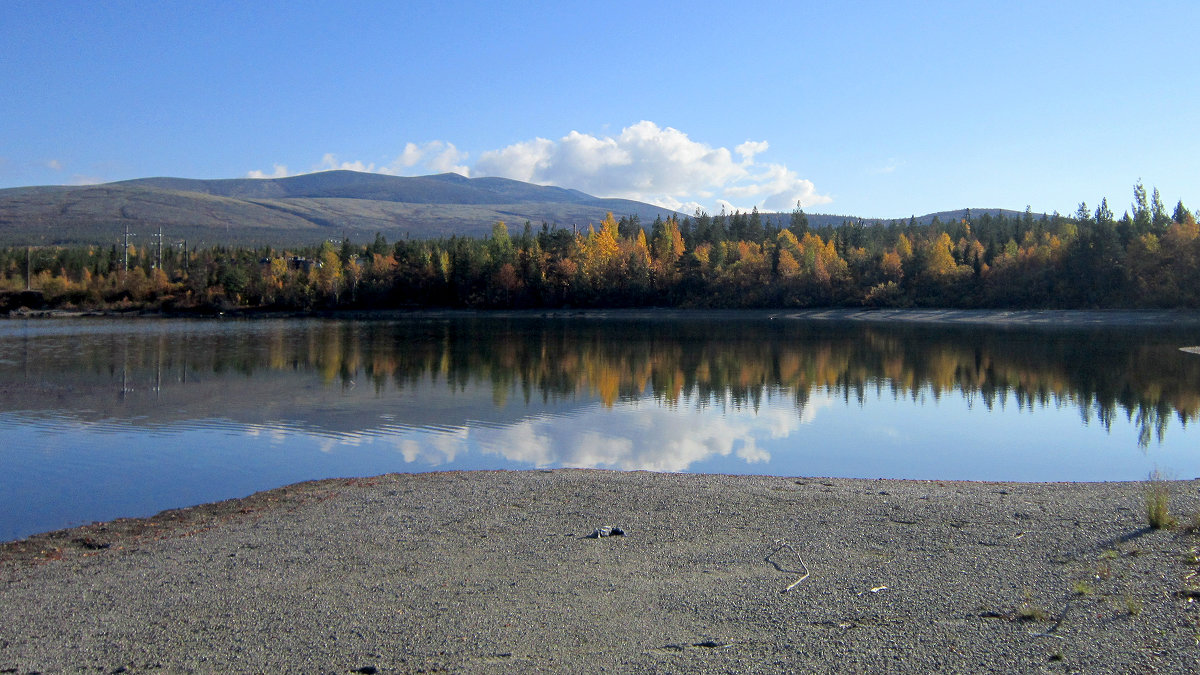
x: 779, y: 546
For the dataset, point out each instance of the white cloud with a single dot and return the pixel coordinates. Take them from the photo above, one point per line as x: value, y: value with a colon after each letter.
x: 751, y: 148
x: 434, y: 156
x: 431, y: 157
x: 644, y: 162
x: 887, y: 167
x: 654, y: 164
x: 279, y: 171
x: 330, y: 163
x: 526, y: 159
x: 54, y: 164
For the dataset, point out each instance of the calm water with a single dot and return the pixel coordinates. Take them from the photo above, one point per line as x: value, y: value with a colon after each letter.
x: 103, y: 419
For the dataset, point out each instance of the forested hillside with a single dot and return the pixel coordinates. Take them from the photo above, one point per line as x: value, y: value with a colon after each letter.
x: 1148, y: 257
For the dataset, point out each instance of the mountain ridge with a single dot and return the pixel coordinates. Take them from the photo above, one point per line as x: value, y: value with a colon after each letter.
x: 295, y: 210
x: 309, y: 208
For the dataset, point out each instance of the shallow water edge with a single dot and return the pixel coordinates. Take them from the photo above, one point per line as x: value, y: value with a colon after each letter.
x: 994, y: 317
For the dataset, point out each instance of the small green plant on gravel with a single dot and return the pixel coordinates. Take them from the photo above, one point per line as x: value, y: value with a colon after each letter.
x: 1191, y: 581
x: 1029, y: 611
x: 1193, y: 523
x: 1133, y: 605
x: 1082, y: 587
x: 1110, y: 554
x: 1192, y: 556
x: 1158, y: 497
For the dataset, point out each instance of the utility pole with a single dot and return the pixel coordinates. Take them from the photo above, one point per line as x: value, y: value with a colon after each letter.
x: 125, y: 265
x: 158, y: 241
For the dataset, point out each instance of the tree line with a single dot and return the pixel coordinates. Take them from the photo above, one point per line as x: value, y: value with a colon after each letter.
x: 1148, y: 257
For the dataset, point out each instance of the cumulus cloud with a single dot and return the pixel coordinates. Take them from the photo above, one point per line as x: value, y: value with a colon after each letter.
x: 431, y: 157
x: 434, y: 156
x: 279, y: 171
x: 660, y: 165
x: 330, y: 163
x: 644, y: 162
x: 751, y: 148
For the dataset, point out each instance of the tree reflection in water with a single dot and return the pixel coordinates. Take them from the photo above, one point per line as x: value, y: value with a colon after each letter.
x: 1104, y: 373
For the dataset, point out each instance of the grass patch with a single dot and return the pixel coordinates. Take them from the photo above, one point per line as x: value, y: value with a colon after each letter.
x: 1133, y: 605
x: 1030, y: 611
x: 1083, y: 588
x: 1158, y: 498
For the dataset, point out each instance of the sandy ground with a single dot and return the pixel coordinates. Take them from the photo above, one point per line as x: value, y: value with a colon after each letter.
x: 494, y: 572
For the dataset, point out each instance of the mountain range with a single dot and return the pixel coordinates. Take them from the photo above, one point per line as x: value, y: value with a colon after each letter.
x: 300, y: 209
x: 306, y: 209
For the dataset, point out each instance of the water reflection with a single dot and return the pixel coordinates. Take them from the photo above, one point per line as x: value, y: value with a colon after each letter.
x: 196, y: 411
x: 158, y: 373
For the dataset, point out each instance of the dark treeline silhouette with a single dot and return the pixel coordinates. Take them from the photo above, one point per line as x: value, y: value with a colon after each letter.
x: 1148, y: 257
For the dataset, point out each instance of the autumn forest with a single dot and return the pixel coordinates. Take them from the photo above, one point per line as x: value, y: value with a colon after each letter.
x: 1147, y: 257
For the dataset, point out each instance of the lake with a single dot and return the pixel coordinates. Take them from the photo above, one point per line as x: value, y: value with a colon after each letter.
x: 105, y: 418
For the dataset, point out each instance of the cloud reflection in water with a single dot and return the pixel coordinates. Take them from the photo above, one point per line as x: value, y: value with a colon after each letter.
x: 639, y: 435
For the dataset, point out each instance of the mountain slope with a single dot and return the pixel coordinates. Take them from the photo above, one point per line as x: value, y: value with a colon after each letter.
x: 297, y: 209
x: 832, y: 220
x: 314, y: 207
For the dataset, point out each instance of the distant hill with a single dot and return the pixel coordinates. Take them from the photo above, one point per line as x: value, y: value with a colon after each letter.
x: 314, y: 207
x: 300, y: 209
x: 825, y: 219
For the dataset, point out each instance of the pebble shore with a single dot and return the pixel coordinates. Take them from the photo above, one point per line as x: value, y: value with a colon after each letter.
x: 496, y: 572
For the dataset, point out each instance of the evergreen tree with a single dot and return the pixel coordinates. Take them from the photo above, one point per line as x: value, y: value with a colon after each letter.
x: 799, y: 222
x: 1158, y: 212
x: 1083, y: 214
x: 1182, y: 215
x: 1141, y: 209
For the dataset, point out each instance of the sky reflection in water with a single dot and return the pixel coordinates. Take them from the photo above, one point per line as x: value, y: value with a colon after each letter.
x: 106, y: 419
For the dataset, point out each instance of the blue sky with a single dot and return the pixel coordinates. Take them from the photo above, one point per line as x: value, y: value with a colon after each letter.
x: 877, y: 109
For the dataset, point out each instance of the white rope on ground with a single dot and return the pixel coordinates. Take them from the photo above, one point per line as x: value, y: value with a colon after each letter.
x: 779, y: 546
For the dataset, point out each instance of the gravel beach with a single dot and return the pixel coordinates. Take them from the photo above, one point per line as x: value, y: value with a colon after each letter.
x: 495, y: 572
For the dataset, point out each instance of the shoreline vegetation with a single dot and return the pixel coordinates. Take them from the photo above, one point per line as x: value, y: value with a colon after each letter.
x: 1146, y: 259
x: 494, y: 571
